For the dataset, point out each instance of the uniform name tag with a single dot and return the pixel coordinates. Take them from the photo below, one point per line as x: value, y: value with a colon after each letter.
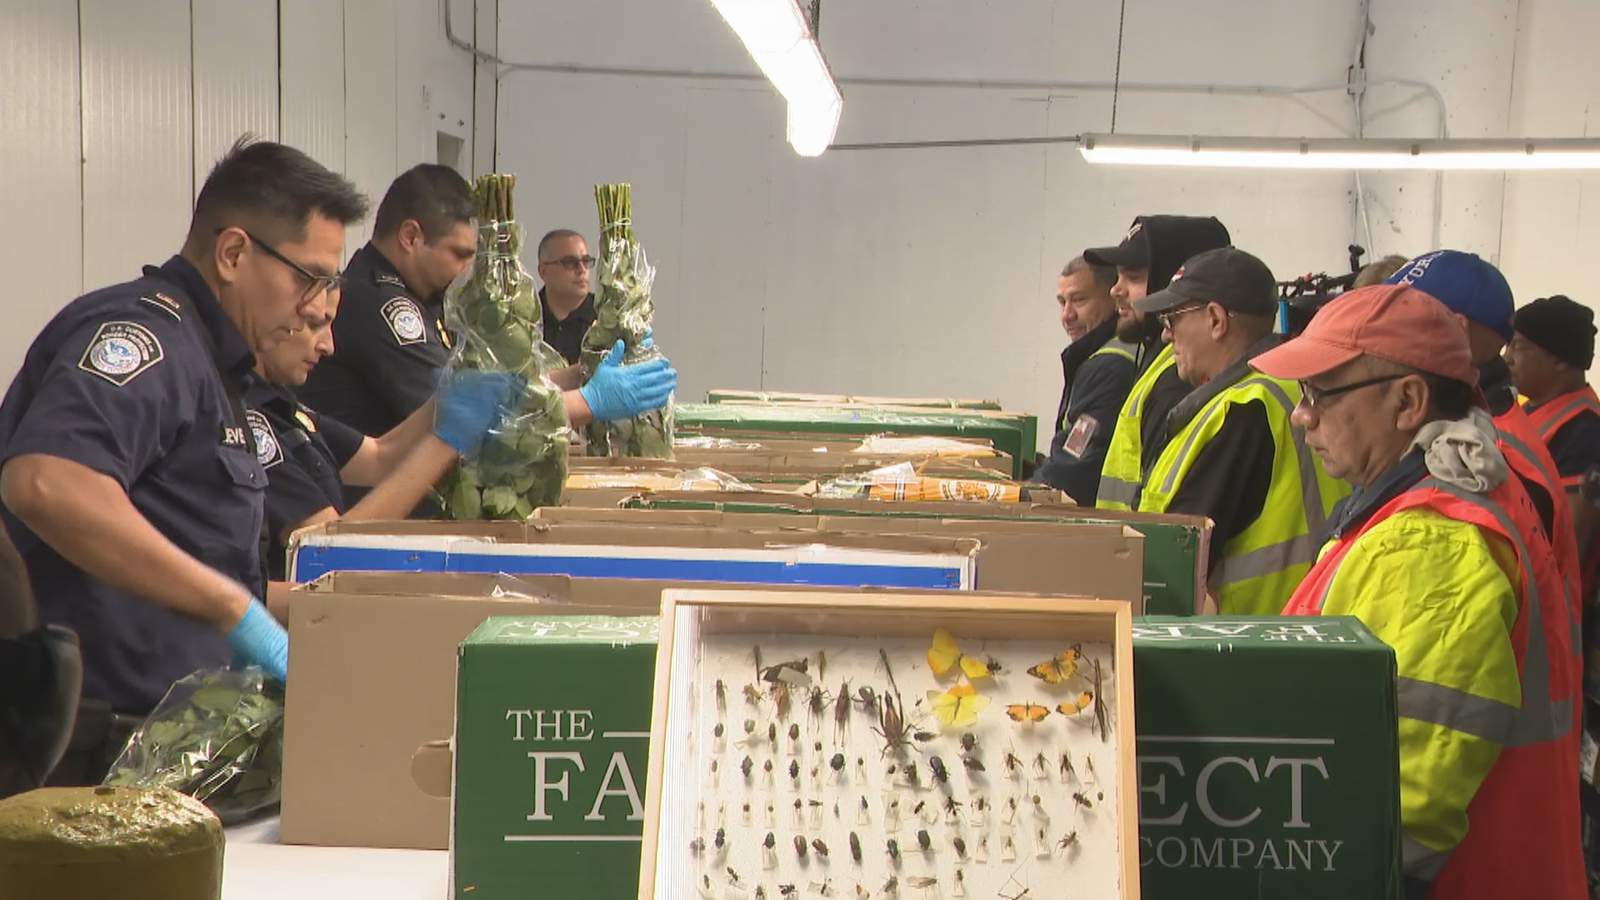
x: 233, y: 436
x: 405, y: 320
x: 120, y: 351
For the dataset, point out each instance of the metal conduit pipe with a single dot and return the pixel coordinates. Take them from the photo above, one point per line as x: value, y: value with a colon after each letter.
x: 1286, y: 92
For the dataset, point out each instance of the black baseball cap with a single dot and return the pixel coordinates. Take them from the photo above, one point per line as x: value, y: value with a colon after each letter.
x: 1132, y: 253
x: 1227, y: 275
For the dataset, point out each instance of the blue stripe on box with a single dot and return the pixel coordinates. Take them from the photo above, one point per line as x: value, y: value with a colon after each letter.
x: 313, y: 562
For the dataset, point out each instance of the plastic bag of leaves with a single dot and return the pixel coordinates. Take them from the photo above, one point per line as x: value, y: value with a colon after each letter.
x: 623, y: 312
x: 496, y: 317
x: 217, y: 736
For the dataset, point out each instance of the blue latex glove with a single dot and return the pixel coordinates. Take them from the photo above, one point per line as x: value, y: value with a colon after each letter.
x: 621, y: 392
x: 258, y: 640
x: 471, y: 402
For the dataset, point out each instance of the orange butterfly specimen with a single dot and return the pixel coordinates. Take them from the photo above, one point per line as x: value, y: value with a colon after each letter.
x: 1077, y: 704
x: 1027, y: 712
x: 1059, y: 667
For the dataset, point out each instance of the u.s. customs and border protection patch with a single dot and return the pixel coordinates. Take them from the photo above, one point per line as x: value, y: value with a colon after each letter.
x: 405, y: 321
x: 120, y: 351
x: 268, y: 452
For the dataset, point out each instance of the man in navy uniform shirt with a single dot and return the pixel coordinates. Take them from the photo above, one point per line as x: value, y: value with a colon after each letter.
x: 130, y: 481
x: 389, y: 340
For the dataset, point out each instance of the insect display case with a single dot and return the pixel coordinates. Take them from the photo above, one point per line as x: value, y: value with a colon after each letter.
x: 891, y: 746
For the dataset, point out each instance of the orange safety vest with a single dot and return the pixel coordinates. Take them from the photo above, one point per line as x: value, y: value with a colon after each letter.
x: 1549, y: 418
x: 1523, y: 838
x: 1525, y: 452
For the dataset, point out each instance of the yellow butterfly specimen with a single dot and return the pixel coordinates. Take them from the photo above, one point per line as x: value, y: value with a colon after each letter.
x: 1059, y: 667
x: 1027, y: 712
x: 1076, y: 705
x: 957, y: 707
x: 945, y: 655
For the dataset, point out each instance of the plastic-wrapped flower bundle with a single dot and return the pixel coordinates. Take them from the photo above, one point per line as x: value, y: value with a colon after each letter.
x: 495, y: 315
x: 623, y: 311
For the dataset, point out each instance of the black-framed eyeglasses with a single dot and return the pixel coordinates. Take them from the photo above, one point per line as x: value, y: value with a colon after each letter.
x: 572, y: 263
x: 315, y: 284
x: 1173, y: 315
x: 1316, y: 398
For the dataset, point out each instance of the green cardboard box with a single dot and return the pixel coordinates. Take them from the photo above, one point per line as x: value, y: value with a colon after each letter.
x: 552, y: 738
x: 1011, y: 433
x: 1268, y: 761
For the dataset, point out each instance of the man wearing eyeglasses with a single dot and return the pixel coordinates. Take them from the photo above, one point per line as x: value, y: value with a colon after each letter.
x: 1442, y: 555
x: 1229, y: 452
x: 130, y: 480
x: 567, y: 301
x: 389, y: 339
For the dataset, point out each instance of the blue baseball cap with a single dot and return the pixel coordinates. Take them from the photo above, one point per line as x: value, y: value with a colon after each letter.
x: 1464, y: 283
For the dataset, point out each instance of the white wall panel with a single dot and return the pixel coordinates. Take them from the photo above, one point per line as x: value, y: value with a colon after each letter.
x: 41, y: 246
x: 138, y: 146
x: 311, y: 79
x: 370, y: 96
x: 235, y: 77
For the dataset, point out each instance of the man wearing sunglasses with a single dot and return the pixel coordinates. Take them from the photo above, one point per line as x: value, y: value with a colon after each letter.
x: 1229, y: 451
x: 1442, y: 555
x: 130, y: 480
x: 389, y: 340
x: 567, y: 300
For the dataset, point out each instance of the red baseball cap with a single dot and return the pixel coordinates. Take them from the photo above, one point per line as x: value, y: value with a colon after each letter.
x: 1395, y: 322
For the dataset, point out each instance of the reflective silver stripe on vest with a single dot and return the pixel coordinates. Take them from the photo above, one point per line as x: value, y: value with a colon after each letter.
x: 1576, y: 403
x: 1216, y: 408
x: 1540, y: 718
x: 1268, y: 560
x: 1456, y: 710
x: 1573, y: 603
x: 1116, y: 490
x: 1419, y: 861
x: 1310, y: 484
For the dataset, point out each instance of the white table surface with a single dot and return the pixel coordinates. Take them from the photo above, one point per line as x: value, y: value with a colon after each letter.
x: 257, y: 867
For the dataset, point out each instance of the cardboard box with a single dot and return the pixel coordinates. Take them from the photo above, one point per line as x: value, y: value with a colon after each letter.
x: 373, y: 668
x: 724, y: 395
x: 1038, y: 557
x: 374, y: 664
x: 679, y: 554
x: 1011, y: 433
x: 1268, y: 761
x: 552, y: 731
x: 1104, y: 560
x: 1176, y: 548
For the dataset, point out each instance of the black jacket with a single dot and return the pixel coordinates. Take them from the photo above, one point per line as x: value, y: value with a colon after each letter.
x: 1093, y: 389
x: 1172, y: 241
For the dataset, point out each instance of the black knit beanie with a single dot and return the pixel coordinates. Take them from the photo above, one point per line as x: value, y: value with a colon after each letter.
x: 1562, y: 326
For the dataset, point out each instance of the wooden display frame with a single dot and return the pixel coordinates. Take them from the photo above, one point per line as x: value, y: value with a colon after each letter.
x: 974, y: 617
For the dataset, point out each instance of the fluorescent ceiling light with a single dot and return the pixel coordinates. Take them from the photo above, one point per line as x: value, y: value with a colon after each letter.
x: 1513, y: 154
x: 780, y: 40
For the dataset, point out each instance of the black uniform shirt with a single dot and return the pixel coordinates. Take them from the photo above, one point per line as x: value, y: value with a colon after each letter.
x: 566, y: 335
x: 123, y: 381
x: 1094, y: 388
x: 388, y: 348
x: 302, y: 453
